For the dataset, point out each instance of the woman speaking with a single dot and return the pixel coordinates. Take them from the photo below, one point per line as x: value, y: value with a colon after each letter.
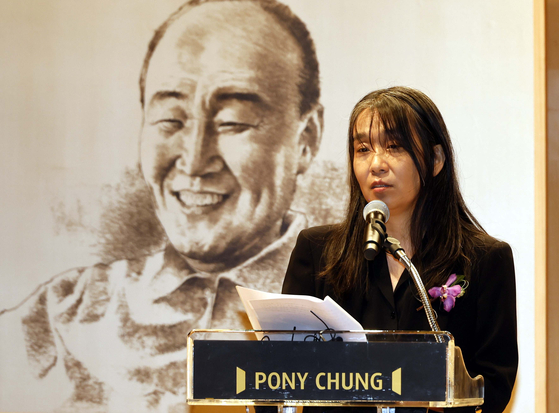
x: 400, y: 153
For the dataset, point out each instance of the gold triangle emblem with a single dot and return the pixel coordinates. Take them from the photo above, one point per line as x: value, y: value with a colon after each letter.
x: 241, y: 380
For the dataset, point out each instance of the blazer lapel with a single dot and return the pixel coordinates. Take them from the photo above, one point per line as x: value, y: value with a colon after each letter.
x: 379, y: 277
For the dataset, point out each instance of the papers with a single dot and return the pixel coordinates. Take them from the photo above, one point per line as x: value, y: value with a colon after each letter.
x: 268, y: 311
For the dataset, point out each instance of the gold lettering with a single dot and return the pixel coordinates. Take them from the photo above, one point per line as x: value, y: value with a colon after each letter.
x: 302, y: 380
x: 318, y: 386
x: 346, y: 387
x: 336, y: 381
x: 376, y: 384
x: 278, y: 381
x: 285, y: 379
x: 359, y: 379
x: 259, y: 379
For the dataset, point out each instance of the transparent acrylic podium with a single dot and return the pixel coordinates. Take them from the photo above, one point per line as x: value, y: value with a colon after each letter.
x: 382, y: 369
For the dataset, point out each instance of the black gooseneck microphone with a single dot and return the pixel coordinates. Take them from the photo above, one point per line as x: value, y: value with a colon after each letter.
x: 376, y: 214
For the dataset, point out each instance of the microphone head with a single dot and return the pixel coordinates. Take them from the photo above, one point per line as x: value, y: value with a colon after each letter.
x: 376, y: 205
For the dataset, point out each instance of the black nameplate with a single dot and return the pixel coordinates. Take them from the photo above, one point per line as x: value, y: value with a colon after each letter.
x: 319, y: 371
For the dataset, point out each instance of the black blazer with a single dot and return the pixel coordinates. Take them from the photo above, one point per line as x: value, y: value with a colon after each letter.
x: 483, y: 321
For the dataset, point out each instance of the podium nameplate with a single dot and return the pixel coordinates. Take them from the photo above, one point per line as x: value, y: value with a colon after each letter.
x: 392, y: 368
x: 344, y: 371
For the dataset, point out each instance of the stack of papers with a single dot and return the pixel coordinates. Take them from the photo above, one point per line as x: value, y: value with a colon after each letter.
x: 268, y: 311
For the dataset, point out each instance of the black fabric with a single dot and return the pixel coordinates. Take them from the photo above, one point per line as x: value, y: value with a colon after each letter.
x: 483, y: 322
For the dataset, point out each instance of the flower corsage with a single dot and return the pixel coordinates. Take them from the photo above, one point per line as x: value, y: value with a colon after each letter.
x: 454, y: 287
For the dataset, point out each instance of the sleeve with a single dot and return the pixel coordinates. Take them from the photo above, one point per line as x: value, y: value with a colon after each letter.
x: 33, y: 376
x: 496, y: 350
x: 301, y: 272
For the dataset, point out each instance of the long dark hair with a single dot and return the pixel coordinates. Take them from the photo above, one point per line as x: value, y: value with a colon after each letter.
x: 443, y: 231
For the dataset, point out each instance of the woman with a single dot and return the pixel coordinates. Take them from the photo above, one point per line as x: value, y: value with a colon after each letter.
x: 400, y: 153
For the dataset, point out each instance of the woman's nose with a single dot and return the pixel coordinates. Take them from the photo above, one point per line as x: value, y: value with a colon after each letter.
x: 378, y: 163
x: 199, y: 154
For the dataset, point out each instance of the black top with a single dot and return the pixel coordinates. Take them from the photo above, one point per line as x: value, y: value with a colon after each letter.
x: 483, y: 322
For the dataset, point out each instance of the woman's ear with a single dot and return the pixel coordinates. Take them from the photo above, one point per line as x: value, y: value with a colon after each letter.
x: 439, y: 159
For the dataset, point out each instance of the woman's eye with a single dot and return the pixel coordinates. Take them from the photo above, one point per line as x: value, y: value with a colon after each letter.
x: 393, y: 147
x: 360, y: 147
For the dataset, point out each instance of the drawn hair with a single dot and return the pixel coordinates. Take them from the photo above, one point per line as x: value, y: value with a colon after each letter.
x: 309, y: 84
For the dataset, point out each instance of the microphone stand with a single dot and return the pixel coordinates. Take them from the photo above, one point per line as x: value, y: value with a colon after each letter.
x: 392, y: 245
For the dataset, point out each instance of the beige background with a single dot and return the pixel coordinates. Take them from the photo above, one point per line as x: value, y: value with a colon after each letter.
x: 70, y: 116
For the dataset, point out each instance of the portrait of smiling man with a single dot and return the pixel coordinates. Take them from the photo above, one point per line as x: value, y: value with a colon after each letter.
x: 231, y: 119
x: 228, y: 126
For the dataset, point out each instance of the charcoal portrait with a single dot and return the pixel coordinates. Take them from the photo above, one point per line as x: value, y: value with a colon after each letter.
x: 231, y: 122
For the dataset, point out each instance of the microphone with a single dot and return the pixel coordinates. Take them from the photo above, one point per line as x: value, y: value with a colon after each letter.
x: 376, y: 214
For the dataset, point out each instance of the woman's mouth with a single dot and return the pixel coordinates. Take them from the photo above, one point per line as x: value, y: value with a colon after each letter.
x: 380, y: 187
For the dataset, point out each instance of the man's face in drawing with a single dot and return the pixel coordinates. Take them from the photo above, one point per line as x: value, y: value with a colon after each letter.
x: 223, y: 137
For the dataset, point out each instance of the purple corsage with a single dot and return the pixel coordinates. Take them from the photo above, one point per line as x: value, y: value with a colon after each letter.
x: 454, y: 287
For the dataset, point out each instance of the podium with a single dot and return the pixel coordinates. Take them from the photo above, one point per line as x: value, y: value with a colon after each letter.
x: 382, y: 369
